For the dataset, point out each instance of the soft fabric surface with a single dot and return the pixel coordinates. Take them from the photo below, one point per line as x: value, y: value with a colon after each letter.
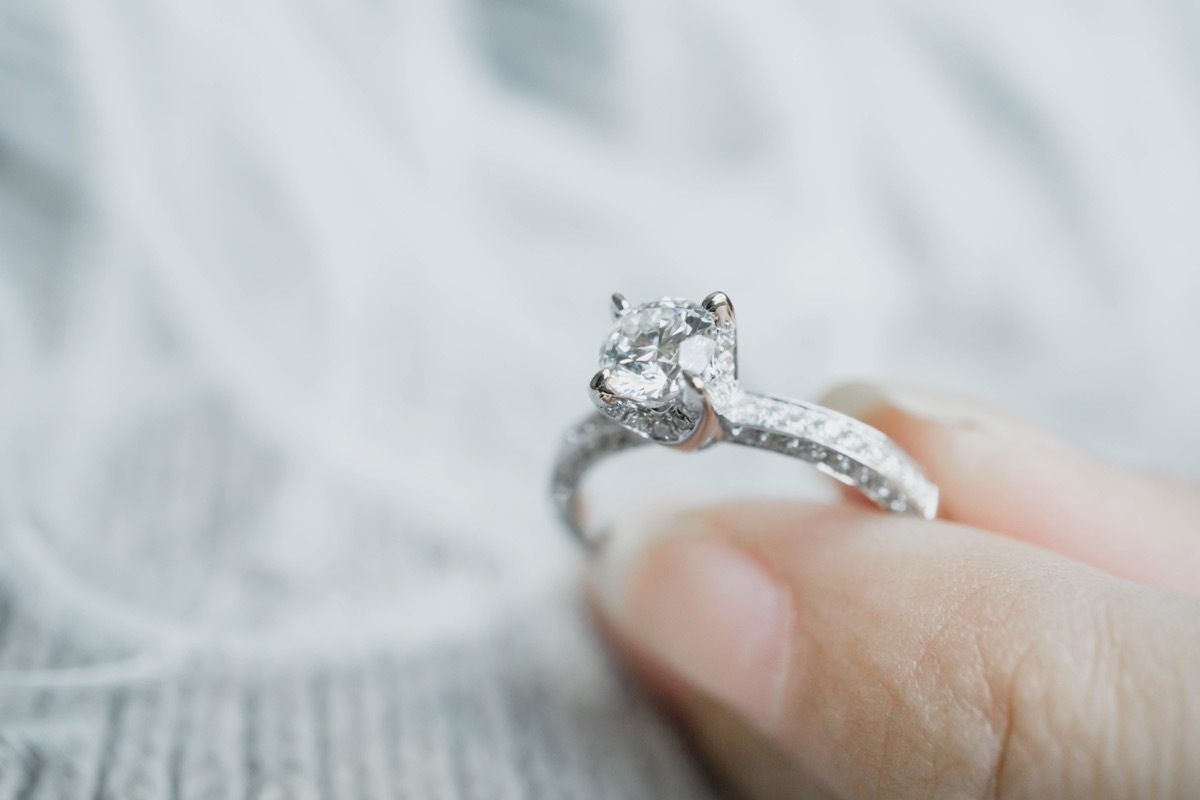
x: 295, y: 299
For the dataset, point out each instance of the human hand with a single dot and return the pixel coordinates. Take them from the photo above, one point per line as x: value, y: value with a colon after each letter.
x: 1041, y: 639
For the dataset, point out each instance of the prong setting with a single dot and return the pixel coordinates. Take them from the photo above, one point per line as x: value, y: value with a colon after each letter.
x: 721, y: 307
x: 619, y: 304
x: 695, y: 398
x: 598, y: 388
x: 668, y: 370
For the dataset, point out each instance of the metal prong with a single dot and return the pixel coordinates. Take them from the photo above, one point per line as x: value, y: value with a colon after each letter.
x: 598, y: 388
x: 619, y: 304
x: 720, y: 306
x: 695, y: 394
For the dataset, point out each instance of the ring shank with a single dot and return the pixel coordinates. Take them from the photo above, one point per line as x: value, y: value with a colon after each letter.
x: 842, y: 447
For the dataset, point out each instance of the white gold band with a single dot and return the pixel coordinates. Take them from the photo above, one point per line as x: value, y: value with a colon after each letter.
x: 842, y: 447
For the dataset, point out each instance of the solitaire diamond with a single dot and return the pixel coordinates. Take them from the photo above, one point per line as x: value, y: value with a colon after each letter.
x: 651, y: 346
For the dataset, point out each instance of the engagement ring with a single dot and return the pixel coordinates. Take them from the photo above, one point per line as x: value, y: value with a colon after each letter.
x: 668, y: 375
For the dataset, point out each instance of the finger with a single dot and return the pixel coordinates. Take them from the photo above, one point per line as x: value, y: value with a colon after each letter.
x: 997, y: 473
x: 743, y: 761
x: 894, y: 657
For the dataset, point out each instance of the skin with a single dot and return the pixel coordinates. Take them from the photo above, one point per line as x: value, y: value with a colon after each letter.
x: 1040, y: 639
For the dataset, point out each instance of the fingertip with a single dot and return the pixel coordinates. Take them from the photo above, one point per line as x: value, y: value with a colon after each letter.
x: 704, y: 607
x: 875, y: 403
x: 1002, y: 474
x: 855, y: 399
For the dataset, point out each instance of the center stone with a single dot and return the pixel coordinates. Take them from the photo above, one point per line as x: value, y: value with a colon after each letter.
x: 652, y: 345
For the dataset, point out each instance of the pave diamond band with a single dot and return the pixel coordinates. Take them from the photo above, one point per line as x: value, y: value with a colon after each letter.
x: 845, y: 449
x: 669, y: 376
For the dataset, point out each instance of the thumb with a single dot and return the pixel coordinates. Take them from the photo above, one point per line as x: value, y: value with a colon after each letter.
x: 894, y: 657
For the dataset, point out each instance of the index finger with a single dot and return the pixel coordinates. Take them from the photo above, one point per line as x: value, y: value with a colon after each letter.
x: 1004, y: 475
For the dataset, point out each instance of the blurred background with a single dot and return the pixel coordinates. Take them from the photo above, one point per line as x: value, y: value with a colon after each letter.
x: 296, y: 299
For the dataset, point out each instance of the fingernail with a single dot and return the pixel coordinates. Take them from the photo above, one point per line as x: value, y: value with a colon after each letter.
x: 705, y: 608
x: 865, y: 400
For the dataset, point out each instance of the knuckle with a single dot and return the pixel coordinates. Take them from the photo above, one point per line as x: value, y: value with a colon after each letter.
x: 1063, y: 705
x: 1007, y: 690
x: 1000, y: 688
x: 952, y: 722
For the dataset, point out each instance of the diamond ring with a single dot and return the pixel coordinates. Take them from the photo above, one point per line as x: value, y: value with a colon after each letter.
x: 668, y: 375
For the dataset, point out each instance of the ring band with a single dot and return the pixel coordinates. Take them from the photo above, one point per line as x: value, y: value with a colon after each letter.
x: 660, y: 386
